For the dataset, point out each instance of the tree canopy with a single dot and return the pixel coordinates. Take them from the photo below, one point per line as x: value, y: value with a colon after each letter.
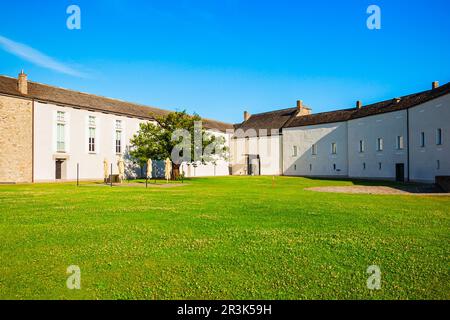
x: 180, y: 137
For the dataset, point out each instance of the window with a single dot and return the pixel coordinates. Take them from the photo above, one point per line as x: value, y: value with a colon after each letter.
x: 91, y: 121
x: 380, y: 144
x: 334, y: 148
x: 60, y: 116
x: 91, y: 139
x: 439, y: 137
x: 400, y: 143
x: 310, y: 167
x: 379, y: 165
x: 438, y: 164
x: 294, y: 151
x: 118, y: 124
x: 364, y: 166
x: 60, y: 131
x: 118, y: 141
x: 422, y: 139
x: 60, y: 138
x: 361, y: 145
x: 334, y: 166
x: 314, y: 149
x: 295, y: 167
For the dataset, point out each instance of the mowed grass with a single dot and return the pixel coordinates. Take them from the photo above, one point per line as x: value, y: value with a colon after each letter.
x: 221, y: 238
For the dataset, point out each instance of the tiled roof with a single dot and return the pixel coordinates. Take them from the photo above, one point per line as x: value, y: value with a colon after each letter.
x: 320, y: 118
x: 46, y: 93
x: 274, y: 120
x: 391, y: 105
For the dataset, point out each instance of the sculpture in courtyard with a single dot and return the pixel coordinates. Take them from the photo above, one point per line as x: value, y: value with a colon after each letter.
x: 105, y: 171
x: 149, y: 168
x: 121, y: 166
x: 168, y: 169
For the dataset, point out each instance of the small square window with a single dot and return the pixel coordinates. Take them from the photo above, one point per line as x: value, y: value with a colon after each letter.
x: 91, y: 121
x: 314, y: 149
x: 400, y: 143
x: 361, y: 146
x: 439, y: 137
x: 422, y: 139
x: 380, y: 144
x: 60, y: 116
x: 334, y: 148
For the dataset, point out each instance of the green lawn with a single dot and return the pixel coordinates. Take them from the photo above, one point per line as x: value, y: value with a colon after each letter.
x: 221, y: 238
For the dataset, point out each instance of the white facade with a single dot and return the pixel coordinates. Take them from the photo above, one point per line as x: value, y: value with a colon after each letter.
x: 317, y: 150
x: 432, y: 158
x: 76, y: 139
x: 383, y: 139
x: 265, y: 155
x: 77, y: 127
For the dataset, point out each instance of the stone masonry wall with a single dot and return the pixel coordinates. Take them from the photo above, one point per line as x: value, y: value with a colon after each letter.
x: 16, y: 136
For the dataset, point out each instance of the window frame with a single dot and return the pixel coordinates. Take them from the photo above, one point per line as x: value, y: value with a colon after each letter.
x: 333, y: 148
x: 118, y: 142
x: 400, y: 143
x: 439, y: 141
x: 91, y: 139
x: 380, y: 144
x: 314, y: 149
x: 422, y: 139
x: 60, y: 137
x: 361, y: 146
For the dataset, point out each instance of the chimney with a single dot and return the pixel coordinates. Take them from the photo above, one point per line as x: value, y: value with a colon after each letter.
x: 246, y: 115
x: 435, y: 84
x: 359, y: 104
x: 302, y: 110
x: 22, y: 83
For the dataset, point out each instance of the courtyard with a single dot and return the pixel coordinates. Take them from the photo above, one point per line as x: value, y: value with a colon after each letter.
x: 222, y: 238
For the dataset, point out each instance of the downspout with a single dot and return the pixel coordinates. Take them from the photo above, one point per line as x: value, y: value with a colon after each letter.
x: 32, y: 141
x: 407, y: 141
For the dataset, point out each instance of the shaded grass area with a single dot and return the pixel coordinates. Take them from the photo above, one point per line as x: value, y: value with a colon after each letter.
x: 221, y: 238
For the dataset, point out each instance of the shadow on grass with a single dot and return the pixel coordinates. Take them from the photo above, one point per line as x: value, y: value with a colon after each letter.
x: 410, y: 187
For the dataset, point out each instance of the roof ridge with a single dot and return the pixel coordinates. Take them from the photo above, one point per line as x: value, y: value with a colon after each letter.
x: 273, y: 111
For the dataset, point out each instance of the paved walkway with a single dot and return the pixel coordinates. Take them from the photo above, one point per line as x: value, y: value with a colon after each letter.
x: 401, y: 190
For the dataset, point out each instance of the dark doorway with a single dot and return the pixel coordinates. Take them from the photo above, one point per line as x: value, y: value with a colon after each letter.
x: 400, y: 172
x: 58, y: 171
x: 253, y: 165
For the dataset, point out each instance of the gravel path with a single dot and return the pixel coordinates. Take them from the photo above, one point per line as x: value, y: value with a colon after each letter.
x: 378, y: 190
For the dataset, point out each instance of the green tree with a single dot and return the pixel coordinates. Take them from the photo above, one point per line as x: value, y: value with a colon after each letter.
x: 176, y: 136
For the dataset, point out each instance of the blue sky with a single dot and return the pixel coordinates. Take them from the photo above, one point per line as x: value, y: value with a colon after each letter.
x: 221, y: 57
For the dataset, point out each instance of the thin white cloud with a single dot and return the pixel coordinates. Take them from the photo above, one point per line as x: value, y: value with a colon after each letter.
x: 34, y: 56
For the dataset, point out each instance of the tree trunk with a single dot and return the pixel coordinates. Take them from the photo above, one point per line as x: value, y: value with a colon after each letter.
x: 175, y: 171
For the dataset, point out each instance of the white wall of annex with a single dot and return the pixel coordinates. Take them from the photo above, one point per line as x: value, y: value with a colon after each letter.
x: 387, y: 126
x: 427, y: 118
x: 324, y: 162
